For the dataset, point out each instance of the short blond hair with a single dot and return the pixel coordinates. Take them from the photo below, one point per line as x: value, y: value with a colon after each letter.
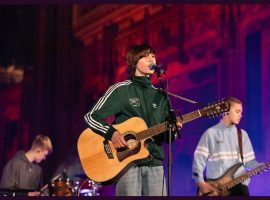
x: 232, y: 100
x: 43, y: 142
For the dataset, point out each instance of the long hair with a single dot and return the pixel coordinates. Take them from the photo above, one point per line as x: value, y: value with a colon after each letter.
x: 134, y: 55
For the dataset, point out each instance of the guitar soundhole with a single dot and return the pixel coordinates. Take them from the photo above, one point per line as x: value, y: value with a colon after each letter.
x: 134, y: 147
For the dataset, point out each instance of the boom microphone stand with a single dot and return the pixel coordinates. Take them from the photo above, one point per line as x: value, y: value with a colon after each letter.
x: 171, y: 123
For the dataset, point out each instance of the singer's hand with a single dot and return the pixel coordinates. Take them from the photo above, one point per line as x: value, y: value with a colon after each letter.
x: 179, y: 124
x: 118, y: 140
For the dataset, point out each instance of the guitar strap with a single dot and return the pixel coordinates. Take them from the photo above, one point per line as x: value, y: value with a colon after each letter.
x: 240, y: 143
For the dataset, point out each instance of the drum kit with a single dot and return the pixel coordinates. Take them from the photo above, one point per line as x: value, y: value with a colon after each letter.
x: 81, y: 187
x: 61, y: 186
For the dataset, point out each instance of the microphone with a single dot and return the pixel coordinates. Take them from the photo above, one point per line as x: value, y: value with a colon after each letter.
x: 157, y: 68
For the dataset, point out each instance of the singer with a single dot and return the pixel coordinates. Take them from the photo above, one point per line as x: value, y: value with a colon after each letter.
x: 135, y: 97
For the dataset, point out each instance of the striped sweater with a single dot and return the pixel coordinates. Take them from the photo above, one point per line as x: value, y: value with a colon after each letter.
x: 218, y: 150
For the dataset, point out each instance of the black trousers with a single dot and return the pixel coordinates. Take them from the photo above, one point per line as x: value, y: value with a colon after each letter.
x: 239, y: 190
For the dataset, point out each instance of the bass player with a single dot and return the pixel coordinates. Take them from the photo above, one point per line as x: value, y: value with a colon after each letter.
x: 221, y: 147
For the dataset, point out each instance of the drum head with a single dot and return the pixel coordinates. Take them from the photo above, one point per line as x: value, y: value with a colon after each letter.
x: 61, y: 188
x: 86, y: 187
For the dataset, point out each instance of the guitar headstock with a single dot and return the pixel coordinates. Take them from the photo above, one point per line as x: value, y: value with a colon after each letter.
x: 215, y: 109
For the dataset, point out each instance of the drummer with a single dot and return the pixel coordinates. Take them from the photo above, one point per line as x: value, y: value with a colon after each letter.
x: 22, y: 172
x: 70, y: 171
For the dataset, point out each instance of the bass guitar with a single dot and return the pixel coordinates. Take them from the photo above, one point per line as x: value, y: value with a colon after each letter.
x: 223, y: 184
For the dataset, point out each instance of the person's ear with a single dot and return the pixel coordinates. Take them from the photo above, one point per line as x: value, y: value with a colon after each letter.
x: 226, y: 113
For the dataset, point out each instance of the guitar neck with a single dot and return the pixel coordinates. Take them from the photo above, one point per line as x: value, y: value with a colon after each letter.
x: 246, y: 175
x: 190, y: 116
x: 160, y: 128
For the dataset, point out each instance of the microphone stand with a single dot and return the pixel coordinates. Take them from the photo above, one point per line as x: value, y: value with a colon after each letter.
x: 179, y: 97
x: 172, y: 122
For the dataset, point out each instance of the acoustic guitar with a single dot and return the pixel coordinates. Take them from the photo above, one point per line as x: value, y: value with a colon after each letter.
x: 105, y: 164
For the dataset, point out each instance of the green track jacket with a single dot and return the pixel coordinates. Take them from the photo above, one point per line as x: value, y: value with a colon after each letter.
x: 131, y: 98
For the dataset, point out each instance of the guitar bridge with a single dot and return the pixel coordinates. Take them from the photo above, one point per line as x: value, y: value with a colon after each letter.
x: 107, y: 149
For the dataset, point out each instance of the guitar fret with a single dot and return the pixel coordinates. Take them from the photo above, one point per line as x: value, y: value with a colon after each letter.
x: 155, y: 130
x: 240, y: 179
x: 190, y: 116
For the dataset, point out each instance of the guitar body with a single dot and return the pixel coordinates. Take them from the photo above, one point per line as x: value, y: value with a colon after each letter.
x: 102, y: 162
x: 219, y: 183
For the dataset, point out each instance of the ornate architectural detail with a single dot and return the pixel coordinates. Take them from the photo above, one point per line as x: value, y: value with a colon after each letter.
x: 88, y: 21
x: 201, y: 20
x: 253, y: 9
x: 254, y: 17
